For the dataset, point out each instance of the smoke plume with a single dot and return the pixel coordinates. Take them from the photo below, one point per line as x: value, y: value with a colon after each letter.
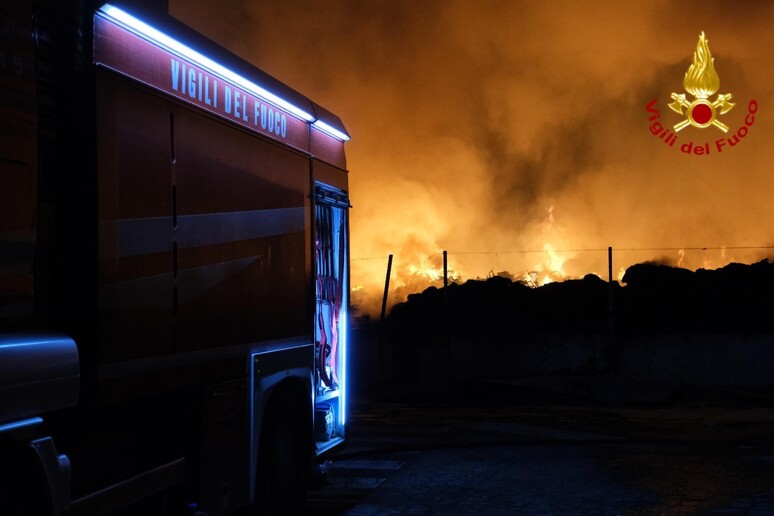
x: 515, y: 134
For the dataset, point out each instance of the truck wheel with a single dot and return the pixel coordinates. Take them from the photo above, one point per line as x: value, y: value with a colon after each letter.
x: 283, y: 458
x: 23, y: 490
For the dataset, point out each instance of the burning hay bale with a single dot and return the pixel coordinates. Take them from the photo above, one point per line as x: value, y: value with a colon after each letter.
x: 655, y: 298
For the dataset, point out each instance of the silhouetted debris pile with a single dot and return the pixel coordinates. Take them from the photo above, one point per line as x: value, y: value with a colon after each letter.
x: 734, y: 299
x: 655, y: 298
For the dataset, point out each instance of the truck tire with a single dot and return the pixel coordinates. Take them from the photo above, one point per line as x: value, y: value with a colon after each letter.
x: 23, y: 488
x: 284, y: 457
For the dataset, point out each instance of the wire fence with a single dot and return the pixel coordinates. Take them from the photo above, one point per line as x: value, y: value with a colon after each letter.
x: 688, y: 257
x: 412, y: 273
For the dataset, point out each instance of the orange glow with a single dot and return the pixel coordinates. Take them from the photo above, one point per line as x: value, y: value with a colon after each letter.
x: 553, y: 268
x: 515, y: 135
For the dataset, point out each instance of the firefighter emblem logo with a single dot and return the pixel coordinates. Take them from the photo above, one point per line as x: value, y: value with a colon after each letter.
x: 702, y: 81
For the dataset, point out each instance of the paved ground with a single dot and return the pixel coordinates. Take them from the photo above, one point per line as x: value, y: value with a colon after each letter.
x: 515, y: 449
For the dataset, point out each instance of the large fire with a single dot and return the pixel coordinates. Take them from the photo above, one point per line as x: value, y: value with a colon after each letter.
x: 417, y: 268
x: 412, y: 272
x: 470, y: 120
x: 410, y: 275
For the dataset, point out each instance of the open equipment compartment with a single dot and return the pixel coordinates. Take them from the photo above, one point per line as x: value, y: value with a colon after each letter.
x: 331, y: 307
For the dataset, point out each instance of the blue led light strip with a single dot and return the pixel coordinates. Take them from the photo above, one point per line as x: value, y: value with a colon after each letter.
x: 332, y: 131
x: 158, y: 38
x: 6, y: 427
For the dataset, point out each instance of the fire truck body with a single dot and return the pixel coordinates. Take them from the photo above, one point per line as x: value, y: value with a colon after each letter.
x: 174, y: 269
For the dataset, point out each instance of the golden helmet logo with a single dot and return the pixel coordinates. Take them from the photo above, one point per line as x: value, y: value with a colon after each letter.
x: 702, y: 82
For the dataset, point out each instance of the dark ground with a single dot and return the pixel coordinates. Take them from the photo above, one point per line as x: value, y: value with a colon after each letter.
x: 534, y: 447
x: 577, y: 441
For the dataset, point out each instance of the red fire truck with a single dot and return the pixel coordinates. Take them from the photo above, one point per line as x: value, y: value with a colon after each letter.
x: 173, y: 269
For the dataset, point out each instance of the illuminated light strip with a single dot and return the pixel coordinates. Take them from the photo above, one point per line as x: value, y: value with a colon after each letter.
x: 160, y: 39
x: 344, y: 386
x: 330, y: 130
x: 344, y: 331
x: 20, y: 424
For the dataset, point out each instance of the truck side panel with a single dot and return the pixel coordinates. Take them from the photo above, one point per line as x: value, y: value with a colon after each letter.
x: 18, y: 165
x: 243, y: 236
x: 135, y: 223
x: 204, y: 230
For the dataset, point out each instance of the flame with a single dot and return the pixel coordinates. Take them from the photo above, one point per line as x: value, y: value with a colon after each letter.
x: 414, y: 273
x: 552, y: 267
x: 548, y: 271
x: 681, y: 258
x: 701, y: 80
x: 411, y: 272
x: 418, y: 264
x: 425, y: 270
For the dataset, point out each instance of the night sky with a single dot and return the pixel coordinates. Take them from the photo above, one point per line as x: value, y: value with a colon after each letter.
x: 491, y: 128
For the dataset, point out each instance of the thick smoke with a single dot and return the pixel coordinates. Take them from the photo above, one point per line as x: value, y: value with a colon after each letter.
x: 493, y: 129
